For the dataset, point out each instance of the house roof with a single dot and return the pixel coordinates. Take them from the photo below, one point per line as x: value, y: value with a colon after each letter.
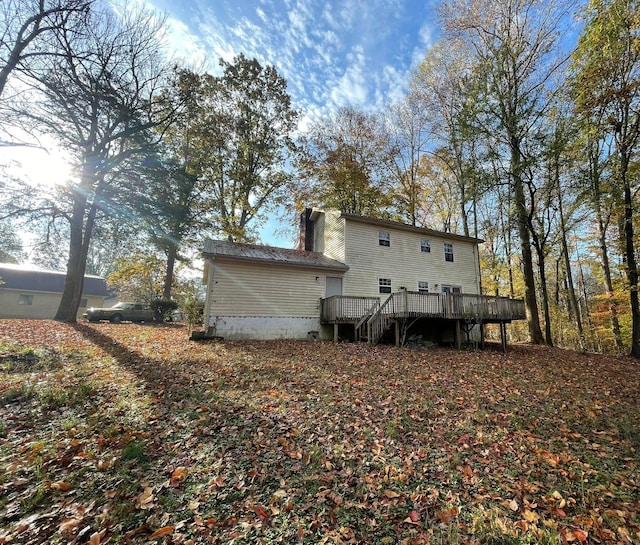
x: 21, y: 277
x: 407, y: 227
x: 270, y: 254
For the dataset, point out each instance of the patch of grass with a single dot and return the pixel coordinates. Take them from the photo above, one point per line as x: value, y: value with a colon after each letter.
x: 134, y: 451
x: 18, y: 359
x: 15, y: 394
x: 53, y: 396
x: 35, y: 500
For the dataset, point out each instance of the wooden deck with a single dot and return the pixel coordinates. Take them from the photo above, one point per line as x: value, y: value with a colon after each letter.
x: 372, y: 318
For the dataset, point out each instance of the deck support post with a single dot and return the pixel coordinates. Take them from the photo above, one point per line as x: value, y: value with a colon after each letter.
x: 335, y: 332
x: 397, y: 327
x: 458, y: 336
x: 503, y: 336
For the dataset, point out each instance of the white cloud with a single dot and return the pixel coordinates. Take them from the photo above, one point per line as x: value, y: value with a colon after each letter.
x: 351, y: 88
x: 184, y: 43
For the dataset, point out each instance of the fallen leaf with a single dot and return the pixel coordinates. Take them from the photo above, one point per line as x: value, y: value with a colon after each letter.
x: 581, y: 535
x: 165, y: 531
x: 261, y: 512
x: 145, y: 500
x: 447, y: 515
x: 96, y: 538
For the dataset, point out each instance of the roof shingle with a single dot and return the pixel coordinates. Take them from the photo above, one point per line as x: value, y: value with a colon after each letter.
x: 270, y: 254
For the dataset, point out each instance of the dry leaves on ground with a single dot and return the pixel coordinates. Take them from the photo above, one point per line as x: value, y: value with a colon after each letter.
x: 133, y: 434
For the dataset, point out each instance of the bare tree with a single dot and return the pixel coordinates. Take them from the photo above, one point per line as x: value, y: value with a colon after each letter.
x: 28, y: 30
x: 514, y: 42
x: 406, y: 138
x: 99, y: 102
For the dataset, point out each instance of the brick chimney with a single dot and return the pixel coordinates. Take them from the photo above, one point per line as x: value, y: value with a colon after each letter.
x: 306, y: 231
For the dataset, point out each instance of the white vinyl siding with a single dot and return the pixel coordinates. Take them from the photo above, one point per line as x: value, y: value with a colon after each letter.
x: 43, y: 304
x: 252, y: 289
x: 333, y: 236
x: 403, y: 261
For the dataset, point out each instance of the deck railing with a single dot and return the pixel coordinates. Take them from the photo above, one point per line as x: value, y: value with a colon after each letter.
x: 408, y: 304
x: 345, y: 308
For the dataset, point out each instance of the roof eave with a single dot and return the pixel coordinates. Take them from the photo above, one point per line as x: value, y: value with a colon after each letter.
x: 412, y: 228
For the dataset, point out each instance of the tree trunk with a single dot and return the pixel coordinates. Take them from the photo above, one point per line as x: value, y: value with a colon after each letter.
x: 522, y: 220
x: 602, y: 241
x: 79, y: 242
x: 573, y: 301
x: 548, y: 337
x: 631, y: 268
x: 168, y: 279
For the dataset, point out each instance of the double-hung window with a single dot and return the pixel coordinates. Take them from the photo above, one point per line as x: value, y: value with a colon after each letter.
x: 384, y: 285
x: 425, y: 245
x: 448, y: 251
x: 384, y: 238
x: 423, y: 287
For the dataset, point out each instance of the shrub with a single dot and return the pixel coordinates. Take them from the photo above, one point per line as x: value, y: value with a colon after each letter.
x: 163, y: 308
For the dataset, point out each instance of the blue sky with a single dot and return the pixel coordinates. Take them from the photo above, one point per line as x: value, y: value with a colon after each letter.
x: 332, y: 53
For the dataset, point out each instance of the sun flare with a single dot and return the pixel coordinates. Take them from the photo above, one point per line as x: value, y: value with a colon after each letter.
x: 36, y: 166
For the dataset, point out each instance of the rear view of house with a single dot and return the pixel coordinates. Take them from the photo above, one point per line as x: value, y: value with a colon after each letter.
x: 351, y: 276
x: 27, y: 292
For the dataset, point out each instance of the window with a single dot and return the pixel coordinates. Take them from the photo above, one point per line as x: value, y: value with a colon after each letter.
x: 448, y: 251
x: 384, y: 285
x: 425, y: 246
x: 423, y: 287
x: 25, y: 299
x: 384, y: 239
x: 451, y: 289
x: 83, y: 302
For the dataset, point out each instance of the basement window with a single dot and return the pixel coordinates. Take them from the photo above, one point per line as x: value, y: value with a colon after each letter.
x: 24, y: 299
x: 384, y: 285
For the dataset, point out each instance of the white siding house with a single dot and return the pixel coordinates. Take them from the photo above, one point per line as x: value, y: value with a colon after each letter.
x: 350, y: 272
x: 31, y: 293
x: 258, y: 292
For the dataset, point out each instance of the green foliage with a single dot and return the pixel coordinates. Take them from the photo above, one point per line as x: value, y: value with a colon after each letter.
x: 341, y: 164
x: 163, y: 307
x: 11, y: 249
x: 223, y: 160
x: 193, y: 311
x: 138, y: 278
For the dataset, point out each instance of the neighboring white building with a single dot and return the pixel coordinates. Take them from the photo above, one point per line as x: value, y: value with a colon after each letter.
x: 32, y: 293
x: 352, y: 276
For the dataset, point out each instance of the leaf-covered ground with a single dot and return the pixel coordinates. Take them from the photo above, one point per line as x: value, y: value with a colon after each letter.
x: 134, y: 434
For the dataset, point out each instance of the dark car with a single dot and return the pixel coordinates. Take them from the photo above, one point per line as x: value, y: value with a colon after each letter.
x: 133, y: 312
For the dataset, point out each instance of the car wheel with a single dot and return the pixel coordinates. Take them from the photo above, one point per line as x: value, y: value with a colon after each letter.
x: 116, y: 319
